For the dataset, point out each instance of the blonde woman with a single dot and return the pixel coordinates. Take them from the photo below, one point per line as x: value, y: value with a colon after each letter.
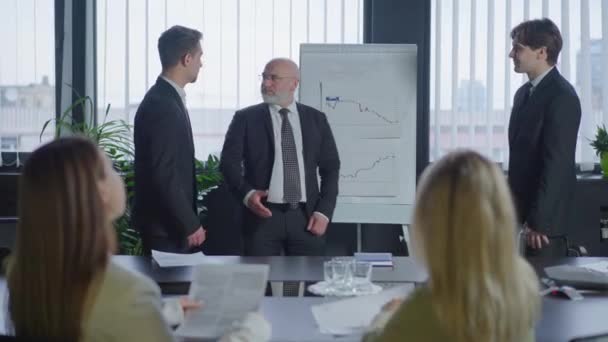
x: 62, y: 283
x: 479, y: 289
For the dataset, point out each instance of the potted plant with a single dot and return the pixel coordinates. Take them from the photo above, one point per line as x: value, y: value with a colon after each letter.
x: 115, y: 138
x: 600, y: 144
x: 208, y: 177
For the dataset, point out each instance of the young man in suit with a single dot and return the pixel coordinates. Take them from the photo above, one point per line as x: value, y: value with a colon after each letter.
x: 542, y: 137
x: 165, y: 210
x: 270, y: 159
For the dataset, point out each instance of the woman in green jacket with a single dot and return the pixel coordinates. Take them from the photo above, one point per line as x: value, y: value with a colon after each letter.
x: 463, y: 231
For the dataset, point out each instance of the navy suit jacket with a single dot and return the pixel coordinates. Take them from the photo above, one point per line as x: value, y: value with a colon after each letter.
x: 542, y: 143
x: 248, y: 155
x: 165, y: 183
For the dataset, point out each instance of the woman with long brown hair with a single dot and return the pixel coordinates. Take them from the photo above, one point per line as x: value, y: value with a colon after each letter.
x: 463, y: 231
x: 62, y: 283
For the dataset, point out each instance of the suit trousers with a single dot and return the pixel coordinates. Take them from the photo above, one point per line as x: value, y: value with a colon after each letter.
x: 284, y: 233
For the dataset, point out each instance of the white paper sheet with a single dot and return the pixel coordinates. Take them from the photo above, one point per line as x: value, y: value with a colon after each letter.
x: 227, y: 293
x: 164, y: 259
x: 353, y: 315
x: 600, y: 266
x: 596, y: 272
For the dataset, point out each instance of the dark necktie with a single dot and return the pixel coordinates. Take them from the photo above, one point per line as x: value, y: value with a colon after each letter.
x: 527, y: 93
x: 291, y: 172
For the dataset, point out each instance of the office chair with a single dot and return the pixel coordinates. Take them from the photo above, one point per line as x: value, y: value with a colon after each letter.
x: 570, y: 250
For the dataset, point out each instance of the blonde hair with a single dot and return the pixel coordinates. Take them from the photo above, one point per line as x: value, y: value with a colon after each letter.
x: 464, y: 227
x: 62, y: 240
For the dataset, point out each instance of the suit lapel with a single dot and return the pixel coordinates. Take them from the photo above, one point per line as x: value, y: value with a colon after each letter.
x: 180, y: 103
x: 265, y: 112
x: 530, y: 110
x: 516, y: 114
x: 305, y: 126
x: 168, y: 88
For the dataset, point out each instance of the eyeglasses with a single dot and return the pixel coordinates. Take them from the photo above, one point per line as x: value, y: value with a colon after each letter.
x: 273, y: 78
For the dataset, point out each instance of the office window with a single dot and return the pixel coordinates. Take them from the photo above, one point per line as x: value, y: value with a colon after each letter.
x: 9, y: 143
x: 27, y: 73
x: 472, y: 78
x: 239, y: 37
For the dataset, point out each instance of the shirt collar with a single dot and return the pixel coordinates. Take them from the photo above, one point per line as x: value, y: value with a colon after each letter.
x: 292, y: 108
x: 180, y: 90
x: 540, y: 77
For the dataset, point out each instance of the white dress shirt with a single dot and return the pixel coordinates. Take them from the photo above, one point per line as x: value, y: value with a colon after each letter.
x: 275, y: 189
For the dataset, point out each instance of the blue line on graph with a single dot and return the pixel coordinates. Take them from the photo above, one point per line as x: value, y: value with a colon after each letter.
x: 374, y: 164
x: 332, y: 102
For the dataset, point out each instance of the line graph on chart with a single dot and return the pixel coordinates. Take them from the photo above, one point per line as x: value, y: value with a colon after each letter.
x: 370, y: 174
x: 360, y: 172
x: 355, y: 110
x: 333, y: 101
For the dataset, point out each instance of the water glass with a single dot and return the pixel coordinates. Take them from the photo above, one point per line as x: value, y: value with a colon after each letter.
x: 362, y: 275
x: 343, y: 273
x: 328, y: 272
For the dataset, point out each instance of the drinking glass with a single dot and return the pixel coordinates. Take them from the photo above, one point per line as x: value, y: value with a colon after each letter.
x: 362, y: 275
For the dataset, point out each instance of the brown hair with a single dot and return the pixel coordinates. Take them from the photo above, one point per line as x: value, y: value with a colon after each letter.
x: 539, y: 33
x: 62, y: 240
x: 175, y: 43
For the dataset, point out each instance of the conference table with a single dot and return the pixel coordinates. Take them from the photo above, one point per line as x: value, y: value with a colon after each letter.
x: 176, y: 280
x: 292, y: 320
x: 562, y: 319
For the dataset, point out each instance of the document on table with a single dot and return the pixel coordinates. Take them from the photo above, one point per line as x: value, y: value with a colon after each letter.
x: 354, y: 315
x: 164, y: 259
x: 596, y: 272
x: 227, y: 294
x: 600, y: 266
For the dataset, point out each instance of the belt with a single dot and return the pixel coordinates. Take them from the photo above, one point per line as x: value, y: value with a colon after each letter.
x: 285, y: 206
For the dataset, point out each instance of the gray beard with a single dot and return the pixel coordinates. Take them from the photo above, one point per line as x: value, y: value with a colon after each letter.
x: 276, y: 99
x: 271, y: 99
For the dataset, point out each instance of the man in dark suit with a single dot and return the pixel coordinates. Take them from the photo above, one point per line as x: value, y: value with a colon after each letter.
x: 165, y: 210
x: 270, y: 159
x: 542, y: 137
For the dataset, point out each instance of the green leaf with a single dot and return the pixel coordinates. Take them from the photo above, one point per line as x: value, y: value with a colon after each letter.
x: 115, y: 138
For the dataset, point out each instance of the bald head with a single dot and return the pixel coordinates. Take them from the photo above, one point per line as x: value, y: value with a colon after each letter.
x: 280, y: 80
x: 284, y: 64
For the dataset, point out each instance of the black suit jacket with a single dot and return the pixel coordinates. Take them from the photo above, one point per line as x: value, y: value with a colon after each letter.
x: 165, y: 184
x: 248, y: 155
x: 542, y: 143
